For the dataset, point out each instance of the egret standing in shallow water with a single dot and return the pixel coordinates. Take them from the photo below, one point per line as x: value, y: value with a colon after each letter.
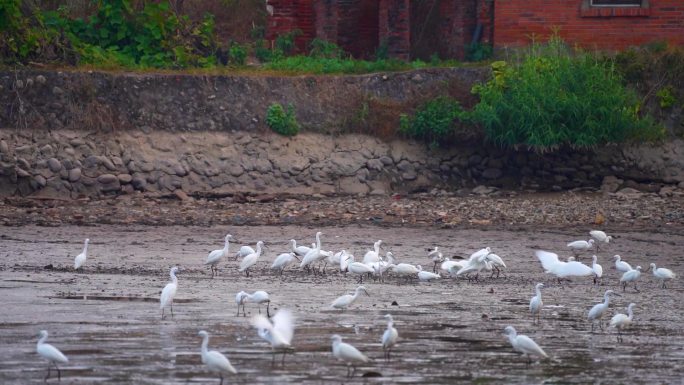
x: 436, y: 256
x: 630, y: 276
x: 80, y: 259
x: 599, y: 310
x: 215, y: 361
x: 283, y: 260
x: 344, y: 301
x: 621, y: 321
x: 215, y: 256
x: 662, y: 274
x: 169, y: 292
x: 621, y: 265
x: 600, y: 237
x: 251, y: 259
x: 578, y: 247
x: 347, y: 353
x: 523, y: 344
x: 279, y: 333
x: 596, y: 269
x: 536, y: 303
x: 50, y: 353
x: 389, y: 337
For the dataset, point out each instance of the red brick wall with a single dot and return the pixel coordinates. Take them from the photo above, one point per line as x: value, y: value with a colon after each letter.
x: 602, y: 28
x: 395, y: 28
x: 289, y: 15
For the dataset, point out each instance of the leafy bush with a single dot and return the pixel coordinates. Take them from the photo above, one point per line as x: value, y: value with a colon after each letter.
x: 478, y: 51
x: 308, y: 64
x: 555, y: 98
x: 282, y: 121
x: 325, y: 49
x: 238, y: 54
x: 434, y: 121
x: 666, y: 97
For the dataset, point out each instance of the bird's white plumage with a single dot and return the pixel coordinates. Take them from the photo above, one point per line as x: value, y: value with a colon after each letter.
x: 169, y: 290
x: 596, y: 268
x: 251, y: 259
x: 621, y: 265
x: 373, y: 255
x: 561, y: 269
x: 48, y: 351
x: 80, y: 259
x: 299, y: 250
x: 662, y: 273
x: 580, y: 246
x: 344, y: 301
x: 215, y: 361
x: 631, y: 275
x: 536, y: 302
x: 522, y: 343
x: 279, y: 332
x: 215, y: 256
x: 314, y: 254
x: 244, y: 251
x: 599, y: 310
x: 346, y: 352
x: 426, y: 276
x: 404, y: 269
x: 391, y: 335
x: 283, y: 260
x: 620, y: 320
x: 600, y: 236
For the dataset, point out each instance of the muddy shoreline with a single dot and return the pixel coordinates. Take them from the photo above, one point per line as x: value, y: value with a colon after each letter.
x: 107, y: 321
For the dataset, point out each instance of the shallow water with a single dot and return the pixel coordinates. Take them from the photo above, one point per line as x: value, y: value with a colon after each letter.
x: 107, y: 320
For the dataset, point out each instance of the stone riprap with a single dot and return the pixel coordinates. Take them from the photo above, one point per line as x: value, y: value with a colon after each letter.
x: 68, y: 164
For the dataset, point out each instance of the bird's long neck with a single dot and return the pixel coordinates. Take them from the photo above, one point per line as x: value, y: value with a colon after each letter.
x: 294, y: 245
x: 356, y: 294
x: 42, y: 339
x: 376, y: 247
x: 205, y: 343
x: 258, y: 250
x: 226, y: 246
x: 630, y: 313
x: 538, y: 289
x: 85, y: 247
x: 318, y: 241
x: 512, y: 337
x: 606, y: 299
x: 173, y: 276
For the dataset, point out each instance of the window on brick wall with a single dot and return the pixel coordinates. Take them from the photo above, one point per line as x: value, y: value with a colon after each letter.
x: 615, y: 8
x: 616, y: 3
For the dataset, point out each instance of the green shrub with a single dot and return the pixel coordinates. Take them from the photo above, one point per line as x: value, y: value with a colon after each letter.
x: 666, y: 97
x: 555, y: 98
x: 478, y: 51
x: 282, y: 121
x: 325, y: 49
x: 434, y: 121
x: 285, y: 43
x: 238, y: 54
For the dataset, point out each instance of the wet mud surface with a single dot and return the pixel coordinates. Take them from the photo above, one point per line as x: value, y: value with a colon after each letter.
x: 107, y: 319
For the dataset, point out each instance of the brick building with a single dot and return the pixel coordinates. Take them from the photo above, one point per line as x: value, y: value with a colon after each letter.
x: 419, y: 28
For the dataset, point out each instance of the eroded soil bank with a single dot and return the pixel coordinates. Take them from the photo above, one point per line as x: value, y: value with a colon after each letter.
x: 107, y: 319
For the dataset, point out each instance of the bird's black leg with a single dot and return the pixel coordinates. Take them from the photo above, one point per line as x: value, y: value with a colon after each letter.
x: 268, y: 305
x: 48, y: 374
x: 171, y: 309
x: 59, y: 373
x: 238, y: 313
x: 624, y: 285
x: 162, y: 313
x: 221, y: 376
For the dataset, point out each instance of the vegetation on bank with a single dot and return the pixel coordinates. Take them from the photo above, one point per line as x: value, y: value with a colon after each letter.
x: 549, y: 96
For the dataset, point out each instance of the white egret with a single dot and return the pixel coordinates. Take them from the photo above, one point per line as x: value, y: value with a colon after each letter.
x: 251, y: 259
x: 347, y: 353
x: 496, y: 262
x: 283, y: 260
x: 621, y: 265
x: 621, y: 321
x: 299, y: 250
x: 240, y: 298
x: 80, y: 259
x: 599, y: 310
x: 50, y: 353
x: 405, y: 270
x: 244, y: 251
x: 215, y: 256
x: 662, y: 274
x: 215, y: 361
x: 344, y: 301
x: 436, y: 256
x: 259, y: 297
x: 373, y: 255
x: 536, y: 302
x: 596, y: 269
x: 600, y: 237
x: 169, y: 292
x: 578, y: 247
x: 451, y: 267
x: 426, y: 276
x: 389, y: 337
x: 279, y: 333
x: 480, y: 253
x: 523, y: 344
x: 630, y: 276
x: 560, y: 269
x: 476, y: 264
x: 344, y: 261
x: 314, y: 254
x: 358, y: 268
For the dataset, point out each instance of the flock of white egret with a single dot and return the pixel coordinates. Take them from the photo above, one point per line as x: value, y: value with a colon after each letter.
x: 278, y: 330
